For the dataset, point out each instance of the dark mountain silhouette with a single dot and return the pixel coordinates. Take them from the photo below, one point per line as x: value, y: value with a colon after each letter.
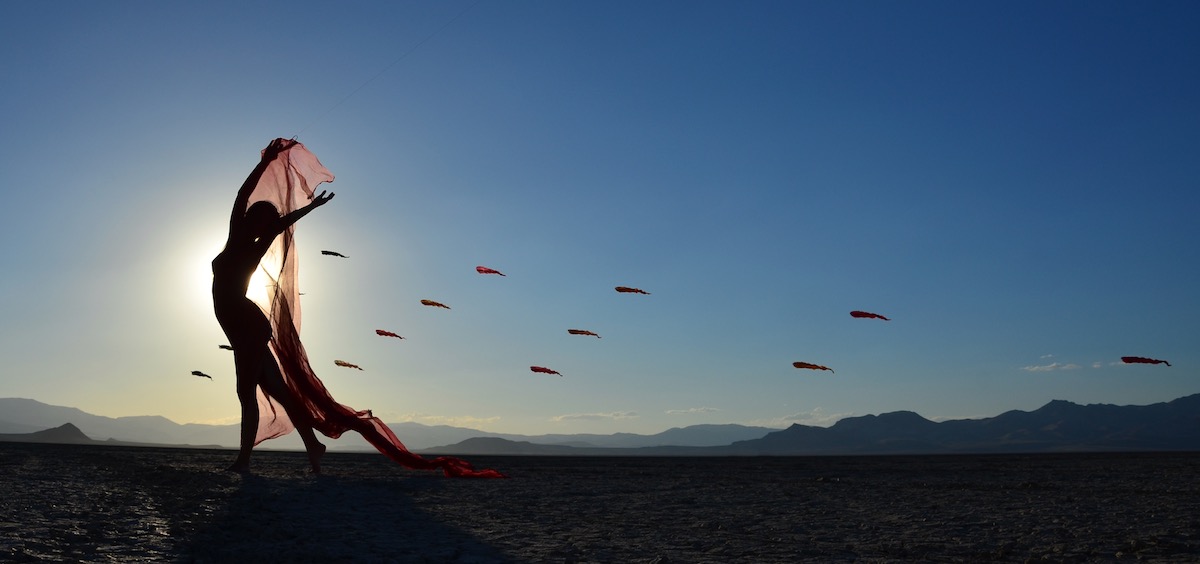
x: 499, y: 446
x: 1059, y: 426
x: 69, y: 434
x: 63, y: 434
x: 695, y: 435
x: 20, y: 415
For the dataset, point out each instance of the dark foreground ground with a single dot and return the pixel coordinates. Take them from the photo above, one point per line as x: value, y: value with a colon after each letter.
x: 88, y: 503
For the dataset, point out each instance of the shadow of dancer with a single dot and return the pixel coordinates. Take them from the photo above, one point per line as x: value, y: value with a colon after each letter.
x: 252, y: 230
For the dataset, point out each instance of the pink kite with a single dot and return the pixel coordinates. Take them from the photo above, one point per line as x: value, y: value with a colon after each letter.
x: 628, y: 290
x: 582, y: 332
x: 345, y: 364
x: 811, y: 366
x: 486, y: 270
x: 432, y: 303
x: 1142, y: 360
x: 867, y: 315
x: 288, y: 183
x: 544, y: 370
x: 383, y: 333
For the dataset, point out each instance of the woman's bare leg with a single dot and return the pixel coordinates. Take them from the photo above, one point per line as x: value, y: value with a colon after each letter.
x: 247, y: 362
x: 272, y: 382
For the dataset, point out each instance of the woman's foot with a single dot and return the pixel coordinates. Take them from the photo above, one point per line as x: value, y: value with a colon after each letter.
x: 314, y: 457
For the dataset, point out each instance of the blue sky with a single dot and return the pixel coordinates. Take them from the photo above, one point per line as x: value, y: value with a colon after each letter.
x: 1014, y: 184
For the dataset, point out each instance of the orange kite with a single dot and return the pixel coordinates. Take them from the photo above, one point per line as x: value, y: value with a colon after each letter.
x: 1142, y: 360
x: 811, y: 366
x: 432, y: 303
x: 346, y: 364
x: 383, y: 333
x: 867, y: 315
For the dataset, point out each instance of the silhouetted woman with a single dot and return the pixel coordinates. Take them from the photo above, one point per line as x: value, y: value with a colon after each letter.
x: 252, y: 230
x: 276, y: 385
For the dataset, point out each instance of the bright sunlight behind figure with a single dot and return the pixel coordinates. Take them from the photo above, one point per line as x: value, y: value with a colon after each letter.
x: 261, y: 286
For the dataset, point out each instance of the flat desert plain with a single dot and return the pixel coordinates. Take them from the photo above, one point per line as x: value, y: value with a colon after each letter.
x: 107, y: 503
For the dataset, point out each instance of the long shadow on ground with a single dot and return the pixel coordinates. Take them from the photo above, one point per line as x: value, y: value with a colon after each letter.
x: 93, y: 503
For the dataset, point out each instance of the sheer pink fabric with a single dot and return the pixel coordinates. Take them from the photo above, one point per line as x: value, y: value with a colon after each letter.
x: 288, y: 183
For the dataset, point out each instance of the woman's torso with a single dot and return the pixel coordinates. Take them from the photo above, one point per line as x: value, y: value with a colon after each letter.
x: 238, y: 315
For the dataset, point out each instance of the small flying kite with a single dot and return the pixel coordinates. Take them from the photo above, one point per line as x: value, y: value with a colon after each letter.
x: 582, y: 332
x: 1142, y: 360
x: 432, y: 303
x: 345, y: 364
x: 201, y: 374
x: 383, y: 333
x: 867, y: 315
x: 628, y: 290
x: 544, y: 370
x: 334, y: 254
x: 811, y: 366
x: 486, y: 270
x: 226, y: 347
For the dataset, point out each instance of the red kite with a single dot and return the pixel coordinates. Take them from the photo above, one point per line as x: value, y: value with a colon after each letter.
x: 346, y: 364
x: 811, y: 366
x: 383, y: 333
x: 1142, y: 360
x: 334, y: 254
x: 867, y: 315
x: 628, y: 290
x: 201, y: 374
x: 582, y: 332
x: 544, y: 370
x: 486, y: 270
x: 226, y: 347
x: 432, y: 303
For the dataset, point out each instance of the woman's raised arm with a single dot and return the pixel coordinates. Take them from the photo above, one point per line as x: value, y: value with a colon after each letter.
x: 243, y: 196
x: 287, y: 220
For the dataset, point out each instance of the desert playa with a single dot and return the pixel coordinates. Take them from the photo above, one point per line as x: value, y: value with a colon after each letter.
x: 101, y: 503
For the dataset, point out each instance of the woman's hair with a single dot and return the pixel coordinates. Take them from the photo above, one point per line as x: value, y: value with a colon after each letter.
x: 260, y: 216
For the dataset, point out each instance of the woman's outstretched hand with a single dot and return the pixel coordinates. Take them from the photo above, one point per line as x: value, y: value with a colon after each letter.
x: 320, y: 199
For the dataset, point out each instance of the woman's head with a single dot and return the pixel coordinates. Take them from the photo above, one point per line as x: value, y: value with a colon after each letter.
x: 260, y: 217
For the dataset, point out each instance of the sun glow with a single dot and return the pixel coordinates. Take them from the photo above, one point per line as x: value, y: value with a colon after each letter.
x: 260, y: 286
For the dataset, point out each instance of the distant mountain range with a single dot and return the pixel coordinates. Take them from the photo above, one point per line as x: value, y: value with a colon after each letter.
x: 1059, y: 426
x: 21, y: 416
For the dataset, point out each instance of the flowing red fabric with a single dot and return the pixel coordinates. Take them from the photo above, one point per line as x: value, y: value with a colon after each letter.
x: 288, y: 183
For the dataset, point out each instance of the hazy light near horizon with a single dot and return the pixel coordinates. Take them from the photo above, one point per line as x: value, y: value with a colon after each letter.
x: 692, y: 411
x: 616, y: 415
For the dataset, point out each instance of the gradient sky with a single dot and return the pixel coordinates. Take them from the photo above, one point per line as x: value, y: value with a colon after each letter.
x: 1013, y: 183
